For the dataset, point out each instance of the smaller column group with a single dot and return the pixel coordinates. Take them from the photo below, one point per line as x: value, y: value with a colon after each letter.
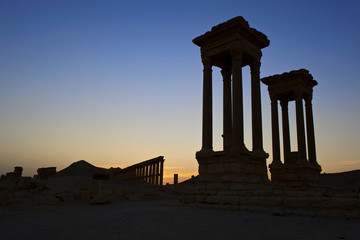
x: 300, y: 155
x: 292, y: 86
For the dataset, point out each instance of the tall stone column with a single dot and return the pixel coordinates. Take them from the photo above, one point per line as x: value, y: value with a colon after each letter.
x: 143, y: 173
x: 161, y: 172
x: 275, y: 131
x: 207, y: 143
x: 153, y: 174
x: 157, y: 174
x: 147, y: 174
x: 150, y: 173
x: 286, y: 130
x: 238, y: 113
x: 227, y: 108
x: 257, y: 138
x: 310, y: 130
x: 300, y: 127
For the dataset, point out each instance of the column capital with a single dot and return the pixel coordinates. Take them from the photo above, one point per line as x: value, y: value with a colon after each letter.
x: 273, y: 98
x: 298, y: 95
x: 255, y: 65
x: 207, y: 63
x: 308, y: 100
x: 226, y: 73
x: 284, y: 104
x: 236, y: 53
x: 274, y: 101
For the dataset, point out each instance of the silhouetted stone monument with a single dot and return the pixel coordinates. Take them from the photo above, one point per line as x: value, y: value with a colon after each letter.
x: 298, y: 168
x: 13, y: 176
x: 46, y: 172
x: 18, y: 172
x: 231, y: 46
x: 150, y: 171
x: 176, y: 177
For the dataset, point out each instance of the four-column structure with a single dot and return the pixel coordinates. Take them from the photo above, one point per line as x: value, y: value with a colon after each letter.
x: 231, y: 46
x: 298, y: 168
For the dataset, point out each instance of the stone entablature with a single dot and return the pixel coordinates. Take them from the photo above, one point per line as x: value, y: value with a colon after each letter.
x: 234, y: 34
x: 284, y: 86
x: 298, y: 167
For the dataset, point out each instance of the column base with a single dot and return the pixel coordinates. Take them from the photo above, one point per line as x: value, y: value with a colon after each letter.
x: 205, y: 152
x: 239, y: 149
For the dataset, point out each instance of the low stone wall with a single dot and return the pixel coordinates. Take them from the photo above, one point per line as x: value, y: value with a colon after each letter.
x: 294, y: 175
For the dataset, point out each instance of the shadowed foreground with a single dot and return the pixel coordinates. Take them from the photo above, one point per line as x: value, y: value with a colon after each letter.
x: 161, y: 220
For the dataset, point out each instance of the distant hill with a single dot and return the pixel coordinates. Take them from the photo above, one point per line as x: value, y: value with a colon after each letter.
x: 350, y: 180
x: 84, y: 169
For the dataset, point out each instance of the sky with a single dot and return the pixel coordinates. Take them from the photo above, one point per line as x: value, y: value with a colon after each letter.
x: 119, y: 82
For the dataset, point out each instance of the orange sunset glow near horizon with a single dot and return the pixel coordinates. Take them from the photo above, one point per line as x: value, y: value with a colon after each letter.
x: 120, y: 83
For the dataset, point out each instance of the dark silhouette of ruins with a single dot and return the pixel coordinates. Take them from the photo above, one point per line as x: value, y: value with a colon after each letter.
x: 298, y: 167
x: 237, y: 175
x: 13, y: 176
x: 150, y: 171
x: 46, y: 172
x: 231, y: 46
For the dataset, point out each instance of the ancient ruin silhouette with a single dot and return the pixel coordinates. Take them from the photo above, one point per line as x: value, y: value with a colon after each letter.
x: 46, y: 172
x: 231, y: 46
x: 234, y: 178
x: 298, y: 167
x: 150, y: 171
x: 238, y: 176
x: 15, y: 175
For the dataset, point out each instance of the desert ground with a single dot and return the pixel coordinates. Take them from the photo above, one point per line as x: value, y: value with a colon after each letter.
x: 164, y: 220
x: 76, y: 206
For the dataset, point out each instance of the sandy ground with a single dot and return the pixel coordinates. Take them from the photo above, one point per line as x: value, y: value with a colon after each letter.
x: 164, y: 220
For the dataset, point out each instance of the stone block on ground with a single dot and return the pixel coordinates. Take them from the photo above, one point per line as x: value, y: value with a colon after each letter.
x: 102, y: 199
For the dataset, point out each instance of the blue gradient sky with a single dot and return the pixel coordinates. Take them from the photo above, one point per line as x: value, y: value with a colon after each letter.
x: 119, y: 82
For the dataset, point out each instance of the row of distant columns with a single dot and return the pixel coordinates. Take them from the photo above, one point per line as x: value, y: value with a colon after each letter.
x: 151, y: 173
x: 233, y: 116
x: 300, y: 128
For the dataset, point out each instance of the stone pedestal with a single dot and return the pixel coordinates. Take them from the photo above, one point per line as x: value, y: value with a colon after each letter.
x: 222, y: 170
x: 296, y: 174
